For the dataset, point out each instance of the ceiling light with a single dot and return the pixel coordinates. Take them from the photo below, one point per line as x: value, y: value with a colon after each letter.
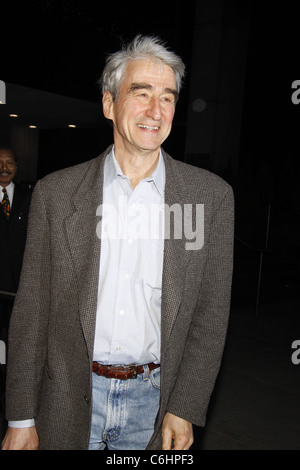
x: 13, y: 115
x: 72, y: 126
x: 32, y: 127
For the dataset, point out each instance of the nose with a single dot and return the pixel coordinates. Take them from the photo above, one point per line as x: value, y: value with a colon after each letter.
x: 154, y: 109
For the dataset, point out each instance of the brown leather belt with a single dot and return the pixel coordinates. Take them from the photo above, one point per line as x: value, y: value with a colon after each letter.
x: 121, y: 372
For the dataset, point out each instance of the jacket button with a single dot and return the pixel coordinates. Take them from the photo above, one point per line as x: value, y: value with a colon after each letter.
x: 86, y: 398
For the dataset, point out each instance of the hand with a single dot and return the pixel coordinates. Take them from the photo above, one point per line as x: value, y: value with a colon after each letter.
x: 21, y: 439
x: 177, y: 430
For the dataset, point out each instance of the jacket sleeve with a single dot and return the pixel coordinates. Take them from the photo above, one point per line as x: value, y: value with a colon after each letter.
x: 202, y: 356
x: 28, y: 324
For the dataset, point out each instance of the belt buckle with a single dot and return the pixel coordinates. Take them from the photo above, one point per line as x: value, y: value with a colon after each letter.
x: 134, y: 368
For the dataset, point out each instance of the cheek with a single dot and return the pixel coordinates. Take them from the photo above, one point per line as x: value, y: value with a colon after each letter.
x: 123, y: 115
x: 169, y: 119
x: 169, y: 114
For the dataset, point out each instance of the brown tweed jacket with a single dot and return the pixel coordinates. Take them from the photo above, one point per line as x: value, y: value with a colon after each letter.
x: 53, y: 322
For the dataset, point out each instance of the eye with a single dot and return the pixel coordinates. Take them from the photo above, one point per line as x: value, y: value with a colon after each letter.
x: 168, y: 99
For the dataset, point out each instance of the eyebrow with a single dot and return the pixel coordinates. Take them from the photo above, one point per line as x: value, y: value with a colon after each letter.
x: 147, y: 86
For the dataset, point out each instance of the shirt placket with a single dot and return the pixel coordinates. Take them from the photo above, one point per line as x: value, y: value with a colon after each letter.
x: 128, y: 259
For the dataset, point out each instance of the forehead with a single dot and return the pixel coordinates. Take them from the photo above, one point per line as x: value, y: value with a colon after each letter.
x: 156, y: 73
x: 6, y: 155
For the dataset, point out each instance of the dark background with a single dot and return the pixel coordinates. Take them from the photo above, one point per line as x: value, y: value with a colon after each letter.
x: 61, y: 46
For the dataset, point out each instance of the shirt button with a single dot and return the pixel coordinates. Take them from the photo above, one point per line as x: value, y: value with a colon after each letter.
x: 118, y: 348
x: 122, y: 313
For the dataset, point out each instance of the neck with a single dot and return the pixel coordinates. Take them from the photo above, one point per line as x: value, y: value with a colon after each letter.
x: 137, y: 166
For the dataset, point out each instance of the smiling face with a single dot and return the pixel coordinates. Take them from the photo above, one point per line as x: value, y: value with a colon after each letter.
x: 145, y: 108
x: 8, y: 167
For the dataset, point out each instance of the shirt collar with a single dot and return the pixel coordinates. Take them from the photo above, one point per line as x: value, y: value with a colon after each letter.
x: 10, y: 190
x: 112, y: 170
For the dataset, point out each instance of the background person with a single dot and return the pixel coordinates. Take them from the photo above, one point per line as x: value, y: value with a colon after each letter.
x: 14, y: 208
x: 13, y: 221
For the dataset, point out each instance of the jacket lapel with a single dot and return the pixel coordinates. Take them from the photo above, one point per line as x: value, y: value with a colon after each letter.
x: 175, y: 255
x: 20, y: 194
x: 17, y: 201
x: 2, y: 211
x: 85, y: 245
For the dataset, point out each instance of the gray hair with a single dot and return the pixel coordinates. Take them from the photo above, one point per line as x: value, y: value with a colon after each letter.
x: 142, y: 47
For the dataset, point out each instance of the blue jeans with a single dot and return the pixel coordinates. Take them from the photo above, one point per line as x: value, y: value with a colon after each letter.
x: 124, y: 411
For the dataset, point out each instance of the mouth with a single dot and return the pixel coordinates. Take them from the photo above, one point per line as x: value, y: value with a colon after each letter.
x: 148, y: 128
x: 5, y: 173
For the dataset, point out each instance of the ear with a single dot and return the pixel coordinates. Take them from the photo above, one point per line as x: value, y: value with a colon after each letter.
x: 107, y: 103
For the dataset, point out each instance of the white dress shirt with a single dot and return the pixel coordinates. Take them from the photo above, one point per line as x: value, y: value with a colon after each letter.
x: 132, y: 245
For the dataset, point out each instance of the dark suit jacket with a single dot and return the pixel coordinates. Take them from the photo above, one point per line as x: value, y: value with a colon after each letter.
x: 13, y: 238
x: 53, y: 322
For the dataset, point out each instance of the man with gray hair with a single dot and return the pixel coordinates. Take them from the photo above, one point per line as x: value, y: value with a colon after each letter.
x: 118, y: 329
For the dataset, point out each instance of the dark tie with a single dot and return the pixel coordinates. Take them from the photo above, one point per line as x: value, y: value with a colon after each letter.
x: 5, y: 204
